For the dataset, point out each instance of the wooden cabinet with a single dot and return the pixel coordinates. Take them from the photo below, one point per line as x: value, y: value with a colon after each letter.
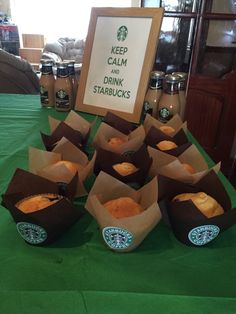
x: 211, y: 113
x: 211, y: 106
x: 199, y: 37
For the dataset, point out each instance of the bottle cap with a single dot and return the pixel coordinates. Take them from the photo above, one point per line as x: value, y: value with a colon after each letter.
x: 157, y: 74
x: 70, y: 62
x: 47, y: 61
x: 172, y: 78
x: 61, y: 65
x: 182, y: 75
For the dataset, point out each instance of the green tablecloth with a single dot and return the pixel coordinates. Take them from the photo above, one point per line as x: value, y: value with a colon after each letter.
x: 78, y: 274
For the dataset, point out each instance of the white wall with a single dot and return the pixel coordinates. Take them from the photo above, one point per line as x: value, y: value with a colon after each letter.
x: 5, y: 6
x: 28, y: 15
x: 136, y: 3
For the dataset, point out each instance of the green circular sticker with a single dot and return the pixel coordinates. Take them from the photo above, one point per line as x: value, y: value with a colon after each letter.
x: 202, y: 235
x: 31, y: 233
x: 61, y: 94
x: 164, y: 113
x: 117, y: 238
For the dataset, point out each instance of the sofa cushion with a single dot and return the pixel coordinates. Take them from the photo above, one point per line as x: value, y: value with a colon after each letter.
x: 55, y: 47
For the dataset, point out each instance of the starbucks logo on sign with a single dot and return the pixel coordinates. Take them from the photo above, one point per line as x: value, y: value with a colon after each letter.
x: 202, y: 235
x: 117, y: 238
x: 31, y: 233
x: 122, y: 33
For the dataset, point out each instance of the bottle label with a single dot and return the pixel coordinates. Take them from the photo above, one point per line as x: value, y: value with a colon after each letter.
x: 46, y: 69
x: 182, y: 85
x: 62, y: 99
x: 62, y: 72
x: 156, y: 83
x: 164, y: 114
x: 44, y: 95
x: 147, y: 108
x: 172, y: 88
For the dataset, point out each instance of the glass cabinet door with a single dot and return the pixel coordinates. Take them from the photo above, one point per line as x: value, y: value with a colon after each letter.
x: 173, y: 5
x: 176, y: 35
x: 217, y: 46
x: 221, y: 6
x: 197, y: 36
x: 175, y: 44
x: 217, y: 53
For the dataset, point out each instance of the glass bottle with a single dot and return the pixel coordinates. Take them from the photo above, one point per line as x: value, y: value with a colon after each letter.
x: 169, y: 103
x: 63, y: 88
x: 46, y: 82
x: 182, y: 92
x: 73, y: 79
x: 154, y: 93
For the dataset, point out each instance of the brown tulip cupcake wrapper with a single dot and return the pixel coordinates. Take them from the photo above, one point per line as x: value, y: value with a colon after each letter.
x: 154, y: 136
x: 105, y: 161
x: 131, y: 142
x: 62, y: 130
x: 76, y: 122
x: 172, y: 167
x: 176, y: 123
x: 43, y: 163
x: 44, y: 226
x: 119, y: 123
x: 125, y: 234
x: 188, y: 224
x: 25, y: 184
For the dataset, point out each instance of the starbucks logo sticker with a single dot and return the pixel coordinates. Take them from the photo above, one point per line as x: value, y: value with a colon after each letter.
x: 117, y: 238
x: 42, y: 89
x: 31, y: 233
x: 61, y: 94
x: 202, y: 235
x: 122, y: 33
x: 164, y: 113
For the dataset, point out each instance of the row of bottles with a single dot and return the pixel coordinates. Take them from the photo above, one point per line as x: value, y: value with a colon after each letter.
x: 165, y: 95
x: 60, y: 91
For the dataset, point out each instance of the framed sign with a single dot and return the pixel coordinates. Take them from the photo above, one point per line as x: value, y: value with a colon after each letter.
x: 119, y: 54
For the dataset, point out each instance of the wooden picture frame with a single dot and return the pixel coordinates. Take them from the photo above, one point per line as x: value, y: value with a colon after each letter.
x: 119, y: 54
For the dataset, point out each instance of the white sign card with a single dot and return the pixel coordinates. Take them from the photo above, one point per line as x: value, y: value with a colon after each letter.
x: 118, y: 60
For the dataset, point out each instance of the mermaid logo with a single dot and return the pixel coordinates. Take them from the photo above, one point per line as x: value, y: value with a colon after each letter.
x: 61, y: 94
x: 31, y: 233
x: 202, y: 235
x: 164, y: 113
x: 117, y: 238
x: 42, y: 89
x: 122, y: 33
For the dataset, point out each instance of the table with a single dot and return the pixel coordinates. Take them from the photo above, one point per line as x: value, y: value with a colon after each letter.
x: 78, y: 274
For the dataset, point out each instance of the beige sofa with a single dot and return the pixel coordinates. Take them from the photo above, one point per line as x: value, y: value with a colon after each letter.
x: 64, y: 49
